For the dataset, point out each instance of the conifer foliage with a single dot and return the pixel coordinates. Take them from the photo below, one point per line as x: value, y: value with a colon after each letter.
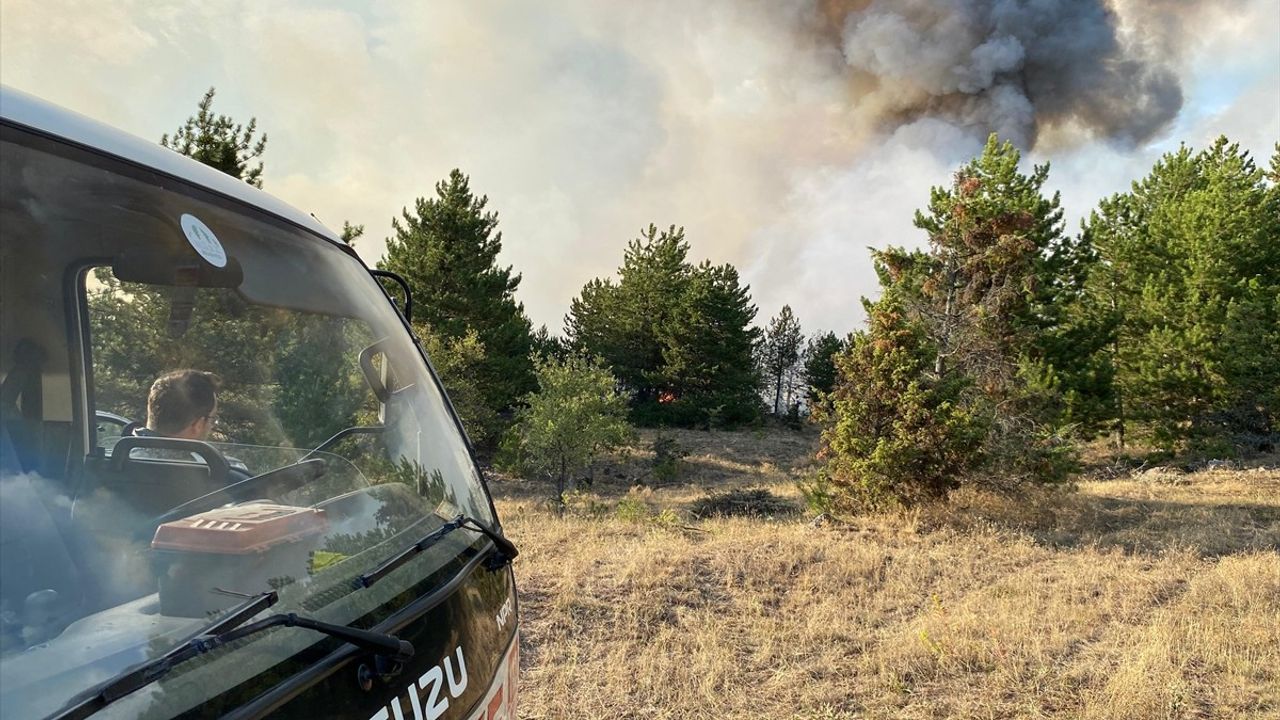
x: 1005, y: 340
x: 707, y: 348
x: 898, y: 431
x: 220, y: 142
x: 819, y: 365
x: 460, y: 362
x: 780, y: 357
x: 447, y: 248
x: 620, y: 321
x: 1188, y: 282
x: 951, y: 375
x: 678, y: 337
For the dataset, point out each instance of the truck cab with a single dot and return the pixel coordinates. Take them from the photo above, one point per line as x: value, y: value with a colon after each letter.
x: 325, y: 544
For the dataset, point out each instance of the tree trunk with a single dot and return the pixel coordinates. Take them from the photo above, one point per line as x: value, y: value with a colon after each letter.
x: 1119, y: 389
x: 560, y: 481
x: 777, y: 392
x: 944, y: 349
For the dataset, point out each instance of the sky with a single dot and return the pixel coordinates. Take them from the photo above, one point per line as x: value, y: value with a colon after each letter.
x: 785, y: 136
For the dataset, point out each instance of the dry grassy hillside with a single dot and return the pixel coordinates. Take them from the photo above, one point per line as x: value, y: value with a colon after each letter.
x: 1152, y: 596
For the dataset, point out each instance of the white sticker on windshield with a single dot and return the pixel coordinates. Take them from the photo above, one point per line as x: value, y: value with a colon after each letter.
x: 204, y: 241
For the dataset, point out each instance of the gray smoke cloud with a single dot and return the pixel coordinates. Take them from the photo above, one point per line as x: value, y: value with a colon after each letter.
x: 785, y: 135
x: 1005, y: 66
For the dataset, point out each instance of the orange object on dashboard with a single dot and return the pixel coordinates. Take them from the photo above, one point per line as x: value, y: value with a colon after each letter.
x: 242, y: 549
x: 252, y: 528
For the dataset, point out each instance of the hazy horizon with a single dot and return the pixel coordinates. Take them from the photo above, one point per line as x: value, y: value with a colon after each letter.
x: 784, y: 137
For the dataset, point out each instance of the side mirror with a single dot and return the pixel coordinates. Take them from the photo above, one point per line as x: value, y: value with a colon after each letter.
x: 376, y: 374
x: 407, y: 307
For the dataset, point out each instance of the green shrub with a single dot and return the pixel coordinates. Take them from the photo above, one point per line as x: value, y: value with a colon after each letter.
x: 668, y: 457
x: 575, y: 416
x: 632, y: 509
x: 817, y: 491
x: 899, y: 433
x: 459, y: 362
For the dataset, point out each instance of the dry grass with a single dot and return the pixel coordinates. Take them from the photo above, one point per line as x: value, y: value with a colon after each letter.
x: 1156, y: 596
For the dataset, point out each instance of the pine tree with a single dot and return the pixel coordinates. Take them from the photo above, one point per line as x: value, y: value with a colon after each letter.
x: 544, y: 344
x: 220, y: 142
x: 820, y: 367
x: 350, y: 233
x: 998, y: 251
x: 992, y: 292
x: 619, y: 321
x: 954, y: 372
x: 781, y: 352
x: 708, y: 348
x: 677, y: 337
x: 1189, y: 276
x: 897, y: 432
x: 447, y: 249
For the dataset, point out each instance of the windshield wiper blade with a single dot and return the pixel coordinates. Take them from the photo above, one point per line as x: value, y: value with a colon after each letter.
x: 228, y: 630
x: 506, y: 549
x: 140, y: 676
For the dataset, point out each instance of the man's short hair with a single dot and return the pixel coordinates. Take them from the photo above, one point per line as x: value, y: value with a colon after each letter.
x: 180, y: 398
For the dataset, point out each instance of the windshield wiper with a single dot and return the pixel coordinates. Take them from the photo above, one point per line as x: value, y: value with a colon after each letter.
x: 221, y: 632
x: 506, y: 549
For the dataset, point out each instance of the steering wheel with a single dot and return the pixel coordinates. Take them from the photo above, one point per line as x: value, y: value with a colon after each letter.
x: 269, y: 484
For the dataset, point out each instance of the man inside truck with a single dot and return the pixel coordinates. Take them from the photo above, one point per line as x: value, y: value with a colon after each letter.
x: 182, y: 404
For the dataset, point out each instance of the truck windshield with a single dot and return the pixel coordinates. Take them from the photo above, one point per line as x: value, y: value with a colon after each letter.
x: 200, y: 401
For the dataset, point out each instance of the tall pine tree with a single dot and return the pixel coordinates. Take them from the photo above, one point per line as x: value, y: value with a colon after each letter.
x: 1189, y: 279
x: 708, y: 347
x: 953, y: 373
x: 993, y: 291
x: 677, y: 337
x: 819, y: 365
x: 447, y: 249
x: 619, y: 322
x: 780, y: 354
x: 999, y: 262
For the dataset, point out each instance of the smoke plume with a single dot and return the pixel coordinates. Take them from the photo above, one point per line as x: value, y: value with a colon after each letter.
x: 1003, y: 66
x: 785, y: 135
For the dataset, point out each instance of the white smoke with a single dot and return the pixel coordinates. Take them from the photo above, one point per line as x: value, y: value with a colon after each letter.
x: 785, y: 136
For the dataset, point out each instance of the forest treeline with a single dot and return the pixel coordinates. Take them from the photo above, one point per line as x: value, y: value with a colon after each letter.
x: 991, y: 353
x: 988, y: 355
